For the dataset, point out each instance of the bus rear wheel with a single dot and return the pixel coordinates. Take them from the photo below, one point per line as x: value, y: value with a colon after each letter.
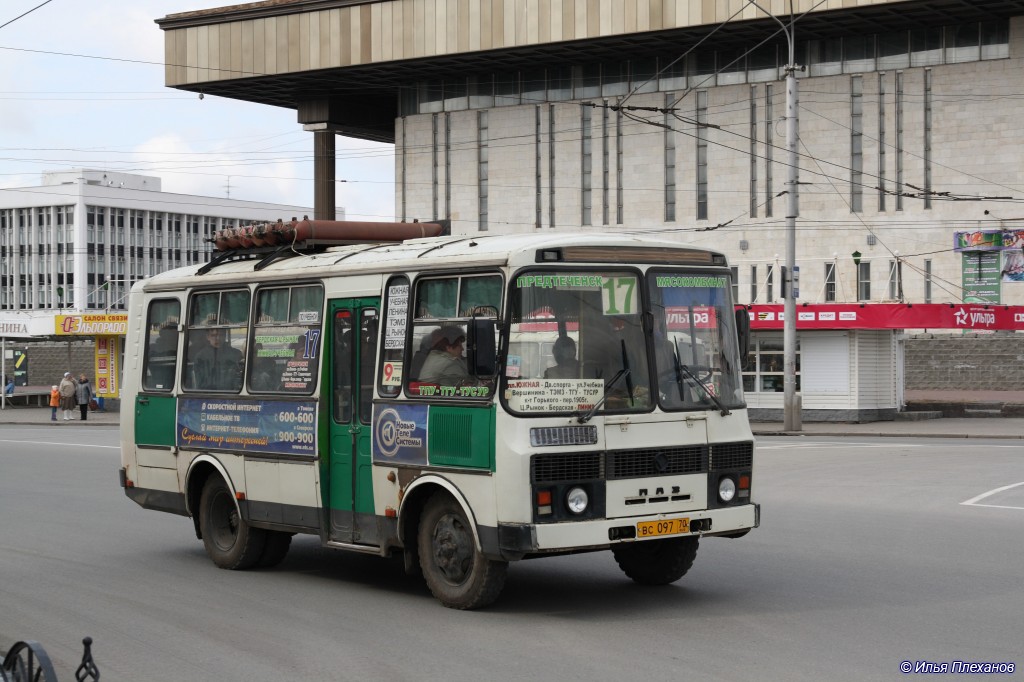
x: 230, y: 542
x: 458, y: 575
x: 656, y: 562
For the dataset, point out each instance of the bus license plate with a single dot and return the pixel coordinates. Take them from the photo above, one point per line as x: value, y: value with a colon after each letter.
x: 647, y: 529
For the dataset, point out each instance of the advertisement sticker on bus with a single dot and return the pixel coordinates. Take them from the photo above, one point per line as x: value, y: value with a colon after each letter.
x: 278, y: 427
x: 400, y: 434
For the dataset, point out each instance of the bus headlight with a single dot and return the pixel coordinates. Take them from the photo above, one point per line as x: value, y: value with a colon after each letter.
x: 726, y: 489
x: 577, y: 500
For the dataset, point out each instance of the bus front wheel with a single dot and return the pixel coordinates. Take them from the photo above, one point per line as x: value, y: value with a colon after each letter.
x: 454, y: 570
x: 656, y: 562
x: 230, y: 542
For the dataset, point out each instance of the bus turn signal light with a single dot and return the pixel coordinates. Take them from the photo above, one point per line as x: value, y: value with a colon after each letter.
x: 543, y: 501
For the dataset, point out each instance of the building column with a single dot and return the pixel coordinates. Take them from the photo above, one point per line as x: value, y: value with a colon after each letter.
x: 323, y: 174
x: 315, y: 115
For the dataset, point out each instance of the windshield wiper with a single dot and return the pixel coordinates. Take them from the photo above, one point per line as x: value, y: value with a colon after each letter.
x: 584, y: 417
x: 683, y: 369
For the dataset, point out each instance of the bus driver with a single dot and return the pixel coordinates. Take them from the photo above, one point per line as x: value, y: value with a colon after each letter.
x: 444, y: 364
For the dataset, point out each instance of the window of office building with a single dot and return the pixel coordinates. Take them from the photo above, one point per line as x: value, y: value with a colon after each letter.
x: 864, y: 281
x: 706, y: 67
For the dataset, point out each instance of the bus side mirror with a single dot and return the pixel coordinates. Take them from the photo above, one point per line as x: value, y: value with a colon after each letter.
x: 482, y: 353
x: 743, y: 331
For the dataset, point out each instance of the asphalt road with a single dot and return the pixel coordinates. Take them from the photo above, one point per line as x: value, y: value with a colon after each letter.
x: 867, y: 557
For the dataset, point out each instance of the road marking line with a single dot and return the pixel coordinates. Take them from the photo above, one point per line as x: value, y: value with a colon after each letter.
x: 78, y: 445
x: 995, y: 506
x: 973, y: 502
x: 821, y: 444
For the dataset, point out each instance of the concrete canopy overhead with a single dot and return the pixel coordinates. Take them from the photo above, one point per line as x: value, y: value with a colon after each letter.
x: 344, y: 64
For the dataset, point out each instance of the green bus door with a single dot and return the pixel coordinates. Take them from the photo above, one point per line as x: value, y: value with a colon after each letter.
x: 353, y: 346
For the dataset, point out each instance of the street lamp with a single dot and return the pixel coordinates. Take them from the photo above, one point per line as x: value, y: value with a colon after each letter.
x: 791, y: 401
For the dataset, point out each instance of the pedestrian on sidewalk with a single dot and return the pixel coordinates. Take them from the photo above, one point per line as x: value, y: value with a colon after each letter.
x: 84, y: 395
x: 54, y: 402
x: 67, y: 395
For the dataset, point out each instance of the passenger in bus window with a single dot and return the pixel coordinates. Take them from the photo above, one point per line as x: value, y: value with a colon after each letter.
x: 218, y: 365
x: 567, y: 366
x: 444, y: 364
x: 420, y: 356
x: 163, y: 355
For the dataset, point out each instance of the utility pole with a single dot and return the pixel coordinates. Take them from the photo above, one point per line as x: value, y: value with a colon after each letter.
x: 791, y: 420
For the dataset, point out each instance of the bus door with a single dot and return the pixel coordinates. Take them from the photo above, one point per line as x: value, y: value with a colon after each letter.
x: 354, y: 325
x: 155, y: 402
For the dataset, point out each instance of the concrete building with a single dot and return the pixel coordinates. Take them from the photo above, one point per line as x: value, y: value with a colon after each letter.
x: 79, y: 240
x: 71, y: 248
x: 667, y: 116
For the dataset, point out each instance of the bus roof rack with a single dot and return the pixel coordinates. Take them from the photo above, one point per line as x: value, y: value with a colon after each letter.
x: 272, y: 241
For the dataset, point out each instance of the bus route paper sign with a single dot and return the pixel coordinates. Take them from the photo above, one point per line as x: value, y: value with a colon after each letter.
x: 394, y: 325
x: 553, y: 395
x: 278, y: 427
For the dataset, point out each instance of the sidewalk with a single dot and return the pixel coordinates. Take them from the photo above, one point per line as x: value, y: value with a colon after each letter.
x: 969, y: 427
x: 946, y: 427
x: 33, y: 414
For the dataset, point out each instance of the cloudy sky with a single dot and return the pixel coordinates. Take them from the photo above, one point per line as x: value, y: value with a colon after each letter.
x: 82, y: 85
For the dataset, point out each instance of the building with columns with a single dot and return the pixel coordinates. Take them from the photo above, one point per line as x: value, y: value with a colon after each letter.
x: 669, y: 117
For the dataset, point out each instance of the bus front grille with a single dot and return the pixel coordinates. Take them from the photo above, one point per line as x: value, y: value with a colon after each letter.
x: 725, y: 456
x: 641, y: 463
x: 656, y: 462
x: 583, y: 466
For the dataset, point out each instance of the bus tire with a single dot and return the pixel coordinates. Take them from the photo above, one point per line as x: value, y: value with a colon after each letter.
x: 275, y: 548
x: 458, y: 575
x: 230, y: 542
x: 656, y: 562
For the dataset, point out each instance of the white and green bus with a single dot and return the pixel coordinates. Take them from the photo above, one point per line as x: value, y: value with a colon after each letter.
x: 463, y: 401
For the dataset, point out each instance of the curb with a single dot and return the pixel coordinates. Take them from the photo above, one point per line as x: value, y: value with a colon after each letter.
x: 877, y: 434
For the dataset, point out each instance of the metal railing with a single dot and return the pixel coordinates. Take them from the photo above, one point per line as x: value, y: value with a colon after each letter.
x: 28, y: 662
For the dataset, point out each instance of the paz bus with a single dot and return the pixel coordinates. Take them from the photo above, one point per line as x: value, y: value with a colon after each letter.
x: 400, y: 396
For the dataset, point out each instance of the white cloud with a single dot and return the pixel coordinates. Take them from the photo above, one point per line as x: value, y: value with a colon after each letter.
x: 117, y: 115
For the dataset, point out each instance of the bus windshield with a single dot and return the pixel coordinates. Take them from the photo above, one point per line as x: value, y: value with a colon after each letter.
x: 576, y: 342
x: 694, y: 340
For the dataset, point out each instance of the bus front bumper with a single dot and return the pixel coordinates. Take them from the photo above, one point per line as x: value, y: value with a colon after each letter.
x: 514, y: 541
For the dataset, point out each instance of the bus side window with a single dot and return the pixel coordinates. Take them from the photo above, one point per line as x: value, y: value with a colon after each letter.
x: 286, y: 339
x: 367, y: 355
x: 446, y: 308
x: 162, y: 336
x: 217, y: 331
x: 392, y: 347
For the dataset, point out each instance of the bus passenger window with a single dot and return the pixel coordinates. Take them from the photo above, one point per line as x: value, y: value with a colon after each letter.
x: 286, y: 340
x: 395, y: 320
x: 367, y: 355
x: 341, y: 382
x: 161, y: 345
x: 217, y: 333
